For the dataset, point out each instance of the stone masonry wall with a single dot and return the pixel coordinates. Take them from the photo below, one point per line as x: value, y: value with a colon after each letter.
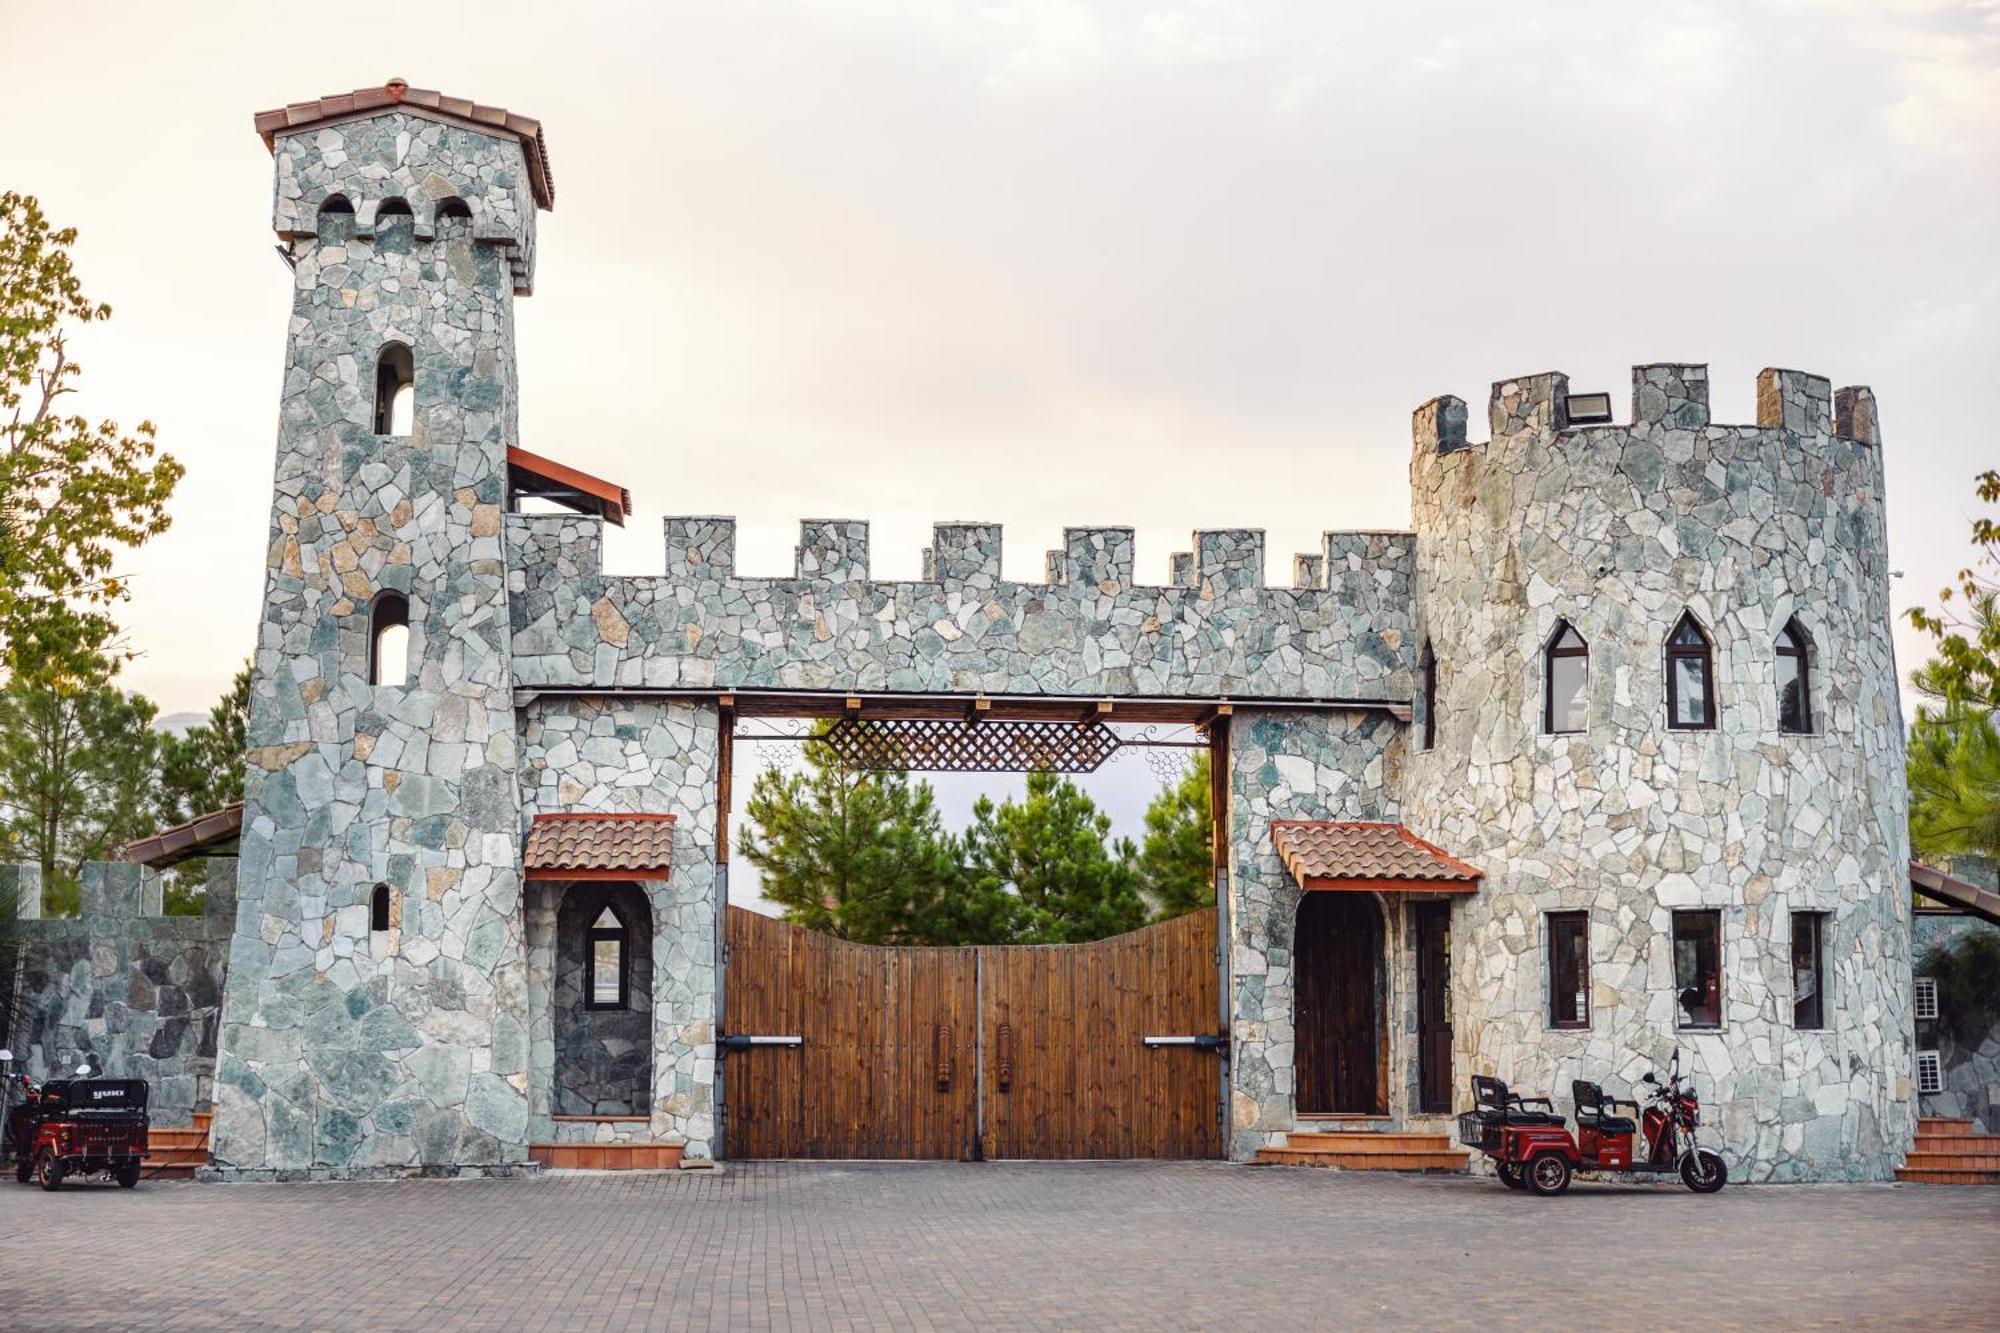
x: 1091, y: 629
x: 644, y: 757
x: 137, y: 993
x: 1620, y: 529
x: 1289, y: 765
x: 1971, y: 1073
x: 346, y: 1051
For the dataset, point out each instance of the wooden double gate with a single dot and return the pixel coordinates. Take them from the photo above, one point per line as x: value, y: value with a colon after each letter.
x: 1021, y: 1051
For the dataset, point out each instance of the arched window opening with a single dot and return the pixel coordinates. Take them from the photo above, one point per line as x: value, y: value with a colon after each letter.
x: 1690, y: 677
x: 1794, y: 680
x: 453, y: 218
x: 395, y: 390
x: 336, y: 218
x: 389, y: 640
x: 378, y: 908
x: 395, y: 225
x: 1427, y: 693
x: 1565, y: 682
x: 604, y: 980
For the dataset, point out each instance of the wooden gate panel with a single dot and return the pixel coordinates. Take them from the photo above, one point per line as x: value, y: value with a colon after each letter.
x: 865, y: 1083
x: 1084, y: 1084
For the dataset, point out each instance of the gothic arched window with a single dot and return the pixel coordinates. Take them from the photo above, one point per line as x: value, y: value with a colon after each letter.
x: 1565, y: 682
x: 452, y: 218
x: 1794, y: 679
x: 395, y: 226
x: 395, y: 390
x: 604, y: 955
x: 1690, y: 677
x: 336, y: 218
x: 389, y: 640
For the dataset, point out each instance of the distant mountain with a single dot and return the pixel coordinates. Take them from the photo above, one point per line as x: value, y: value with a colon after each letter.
x: 179, y: 724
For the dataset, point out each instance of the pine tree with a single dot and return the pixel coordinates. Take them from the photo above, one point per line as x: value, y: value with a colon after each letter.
x: 1053, y: 852
x: 1175, y: 865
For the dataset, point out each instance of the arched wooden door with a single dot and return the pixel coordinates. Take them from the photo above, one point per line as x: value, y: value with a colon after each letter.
x: 1337, y: 1011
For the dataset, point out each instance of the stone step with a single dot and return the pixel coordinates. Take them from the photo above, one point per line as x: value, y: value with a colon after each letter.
x: 1917, y: 1175
x: 1408, y: 1160
x: 1330, y: 1141
x: 1974, y: 1145
x: 158, y: 1170
x: 606, y: 1156
x: 1937, y: 1124
x: 204, y: 1119
x: 178, y: 1156
x: 1953, y: 1161
x: 177, y: 1138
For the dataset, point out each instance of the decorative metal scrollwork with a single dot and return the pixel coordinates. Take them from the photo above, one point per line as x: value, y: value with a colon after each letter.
x: 886, y: 745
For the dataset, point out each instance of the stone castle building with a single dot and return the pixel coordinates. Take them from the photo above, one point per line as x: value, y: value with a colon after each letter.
x: 1602, y: 759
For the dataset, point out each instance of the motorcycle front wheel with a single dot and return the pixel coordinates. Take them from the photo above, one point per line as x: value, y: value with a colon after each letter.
x: 48, y: 1171
x: 1703, y: 1172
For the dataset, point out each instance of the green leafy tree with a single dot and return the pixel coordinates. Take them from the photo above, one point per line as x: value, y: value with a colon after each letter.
x: 202, y: 771
x: 1966, y: 667
x: 1175, y: 865
x: 1053, y: 851
x: 1954, y: 769
x: 862, y: 855
x: 72, y: 491
x: 77, y: 771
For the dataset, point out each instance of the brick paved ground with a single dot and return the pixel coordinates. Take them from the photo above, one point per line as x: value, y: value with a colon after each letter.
x: 1007, y: 1246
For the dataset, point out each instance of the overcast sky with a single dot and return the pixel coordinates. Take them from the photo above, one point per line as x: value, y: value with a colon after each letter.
x: 1172, y: 265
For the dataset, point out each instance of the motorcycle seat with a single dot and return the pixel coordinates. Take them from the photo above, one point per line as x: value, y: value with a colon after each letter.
x: 1608, y: 1124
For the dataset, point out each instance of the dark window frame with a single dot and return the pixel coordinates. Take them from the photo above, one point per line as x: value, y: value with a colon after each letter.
x: 1554, y: 650
x: 379, y: 908
x: 390, y: 610
x: 1694, y: 924
x: 1427, y: 666
x: 622, y: 936
x: 1795, y: 644
x: 1703, y: 653
x: 1809, y: 1012
x: 1558, y: 924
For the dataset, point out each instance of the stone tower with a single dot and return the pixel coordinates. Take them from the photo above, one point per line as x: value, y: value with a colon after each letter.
x: 375, y: 1014
x: 1619, y: 531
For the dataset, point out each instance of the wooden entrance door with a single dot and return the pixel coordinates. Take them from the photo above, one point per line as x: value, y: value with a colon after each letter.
x: 1433, y: 932
x: 1336, y: 1014
x: 908, y: 1052
x: 1068, y: 1071
x: 884, y: 1067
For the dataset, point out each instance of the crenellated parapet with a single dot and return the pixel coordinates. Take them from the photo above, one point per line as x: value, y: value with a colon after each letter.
x: 1092, y: 628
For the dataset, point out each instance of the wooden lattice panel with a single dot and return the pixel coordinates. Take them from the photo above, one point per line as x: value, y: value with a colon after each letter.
x: 878, y: 745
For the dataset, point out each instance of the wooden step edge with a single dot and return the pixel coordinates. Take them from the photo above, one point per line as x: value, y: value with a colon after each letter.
x: 607, y: 1156
x: 1366, y: 1136
x: 1370, y: 1149
x: 1923, y: 1176
x: 1412, y: 1161
x: 1967, y: 1144
x: 1932, y: 1124
x: 1951, y: 1161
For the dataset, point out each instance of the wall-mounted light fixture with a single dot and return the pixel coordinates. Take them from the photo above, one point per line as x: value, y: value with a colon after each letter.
x: 1589, y: 409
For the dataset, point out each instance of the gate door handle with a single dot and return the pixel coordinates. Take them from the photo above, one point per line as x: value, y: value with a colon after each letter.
x: 1201, y: 1041
x: 739, y: 1042
x: 944, y: 1057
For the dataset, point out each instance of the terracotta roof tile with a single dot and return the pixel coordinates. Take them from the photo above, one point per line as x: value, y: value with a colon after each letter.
x: 570, y: 846
x: 198, y: 837
x: 423, y: 101
x: 1357, y: 854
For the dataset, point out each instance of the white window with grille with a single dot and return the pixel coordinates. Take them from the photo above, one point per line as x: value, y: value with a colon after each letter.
x: 1926, y: 1000
x: 1930, y: 1073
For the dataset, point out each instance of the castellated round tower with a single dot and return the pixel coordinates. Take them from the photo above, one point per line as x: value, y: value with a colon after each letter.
x: 1626, y: 835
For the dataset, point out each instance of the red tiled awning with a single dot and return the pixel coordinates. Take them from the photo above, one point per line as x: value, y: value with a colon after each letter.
x: 1367, y: 856
x: 1954, y: 892
x: 600, y: 846
x: 427, y: 102
x: 531, y: 474
x: 204, y: 835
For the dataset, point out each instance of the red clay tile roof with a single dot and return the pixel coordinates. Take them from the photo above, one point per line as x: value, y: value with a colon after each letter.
x: 1966, y: 896
x: 1357, y: 854
x: 422, y: 101
x: 200, y: 836
x: 531, y: 474
x: 580, y: 846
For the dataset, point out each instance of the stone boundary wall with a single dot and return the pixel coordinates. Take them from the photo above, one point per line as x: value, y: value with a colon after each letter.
x: 138, y: 992
x: 1092, y: 629
x: 1971, y: 1074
